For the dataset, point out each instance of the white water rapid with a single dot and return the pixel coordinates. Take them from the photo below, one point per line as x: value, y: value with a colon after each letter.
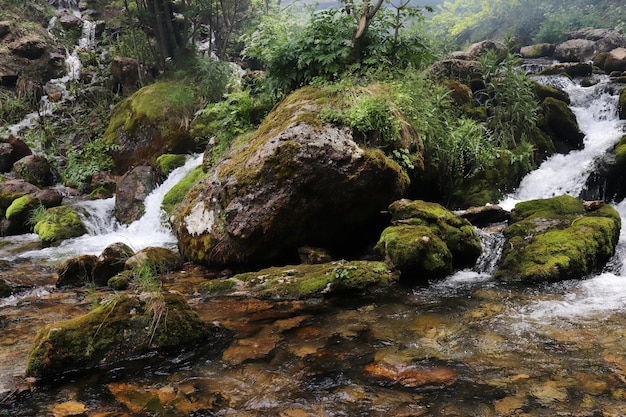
x: 150, y: 230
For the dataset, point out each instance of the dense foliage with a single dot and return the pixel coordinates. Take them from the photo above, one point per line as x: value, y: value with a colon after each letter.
x: 529, y: 20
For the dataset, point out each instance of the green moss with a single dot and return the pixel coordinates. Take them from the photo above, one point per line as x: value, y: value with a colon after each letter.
x: 217, y: 286
x: 416, y: 251
x: 169, y: 162
x: 21, y: 207
x: 176, y: 194
x: 5, y: 289
x: 120, y: 281
x: 59, y: 223
x: 114, y: 331
x: 621, y: 105
x: 308, y: 281
x: 620, y: 152
x: 556, y: 239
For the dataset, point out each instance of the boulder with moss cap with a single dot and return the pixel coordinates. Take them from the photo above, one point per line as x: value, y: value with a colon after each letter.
x: 297, y: 181
x: 116, y: 330
x: 427, y: 241
x: 558, y: 238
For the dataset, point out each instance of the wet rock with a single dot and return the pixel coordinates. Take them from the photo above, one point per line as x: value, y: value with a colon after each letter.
x: 297, y: 181
x: 421, y: 377
x: 427, y: 241
x: 35, y: 169
x: 69, y: 21
x: 29, y: 47
x: 103, y: 185
x: 11, y: 190
x: 69, y: 409
x: 556, y: 238
x: 111, y: 262
x: 121, y: 328
x: 146, y: 125
x: 615, y: 61
x: 561, y: 125
x: 49, y: 197
x: 481, y: 48
x: 307, y: 281
x: 485, y: 215
x: 160, y: 259
x: 132, y: 189
x: 57, y: 224
x: 76, y: 271
x: 163, y: 400
x: 541, y: 50
x: 169, y: 162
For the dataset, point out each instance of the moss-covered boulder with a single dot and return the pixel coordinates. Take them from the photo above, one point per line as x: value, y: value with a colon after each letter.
x: 5, y: 289
x: 538, y: 50
x: 19, y: 214
x: 297, y: 181
x: 608, y: 179
x: 306, y: 280
x: 561, y: 125
x: 177, y: 193
x: 558, y: 238
x: 119, y: 329
x: 150, y: 122
x: 427, y: 241
x: 59, y: 223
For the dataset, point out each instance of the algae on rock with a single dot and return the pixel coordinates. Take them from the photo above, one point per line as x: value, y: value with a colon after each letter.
x: 119, y: 329
x: 306, y: 280
x: 556, y: 239
x: 427, y: 241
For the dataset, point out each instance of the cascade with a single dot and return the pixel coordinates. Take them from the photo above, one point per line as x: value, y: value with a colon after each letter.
x: 150, y: 230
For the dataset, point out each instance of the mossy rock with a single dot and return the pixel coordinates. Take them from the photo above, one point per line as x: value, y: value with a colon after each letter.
x: 621, y: 106
x: 428, y: 241
x: 169, y: 162
x: 177, y: 193
x: 561, y: 125
x: 298, y: 180
x: 161, y: 259
x: 306, y: 281
x: 5, y: 289
x: 119, y: 329
x: 416, y: 251
x: 557, y: 238
x: 149, y: 123
x: 544, y: 91
x: 76, y: 271
x: 59, y: 223
x: 19, y: 213
x: 120, y: 281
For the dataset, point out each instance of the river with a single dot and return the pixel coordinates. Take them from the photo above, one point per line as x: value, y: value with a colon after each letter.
x: 490, y: 348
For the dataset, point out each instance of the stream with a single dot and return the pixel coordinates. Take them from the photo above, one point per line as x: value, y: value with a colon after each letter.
x: 486, y: 348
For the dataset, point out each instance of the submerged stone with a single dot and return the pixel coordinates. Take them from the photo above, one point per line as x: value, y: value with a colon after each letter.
x: 427, y: 241
x: 119, y: 329
x: 558, y: 238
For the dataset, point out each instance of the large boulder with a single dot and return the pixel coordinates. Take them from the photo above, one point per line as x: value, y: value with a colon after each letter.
x: 149, y: 123
x: 132, y: 189
x: 456, y: 69
x: 575, y: 50
x: 540, y: 50
x: 35, y: 169
x: 426, y: 241
x: 297, y: 181
x: 30, y: 47
x: 119, y: 329
x: 558, y: 238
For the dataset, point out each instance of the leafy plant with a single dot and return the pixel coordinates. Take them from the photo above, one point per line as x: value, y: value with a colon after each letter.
x: 83, y: 162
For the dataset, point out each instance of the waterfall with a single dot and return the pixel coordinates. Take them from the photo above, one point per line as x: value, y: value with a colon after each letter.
x: 150, y: 230
x: 595, y: 108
